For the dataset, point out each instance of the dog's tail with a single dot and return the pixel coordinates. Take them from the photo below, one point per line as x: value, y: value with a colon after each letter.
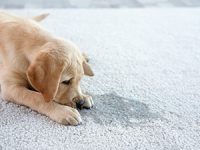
x: 40, y: 17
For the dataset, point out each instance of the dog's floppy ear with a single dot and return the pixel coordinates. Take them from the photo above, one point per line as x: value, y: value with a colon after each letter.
x: 87, y: 69
x: 44, y: 74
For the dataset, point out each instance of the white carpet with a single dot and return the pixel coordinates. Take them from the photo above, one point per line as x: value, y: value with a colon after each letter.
x: 146, y: 89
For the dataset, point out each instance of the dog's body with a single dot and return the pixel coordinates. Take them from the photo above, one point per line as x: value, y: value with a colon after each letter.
x: 32, y: 58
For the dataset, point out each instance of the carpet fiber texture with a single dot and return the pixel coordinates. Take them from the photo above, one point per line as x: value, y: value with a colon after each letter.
x: 146, y: 86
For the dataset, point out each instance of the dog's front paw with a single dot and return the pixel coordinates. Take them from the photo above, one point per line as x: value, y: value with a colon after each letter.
x: 65, y: 115
x: 88, y: 102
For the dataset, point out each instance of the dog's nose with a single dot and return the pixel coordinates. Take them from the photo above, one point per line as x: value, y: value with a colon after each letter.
x: 80, y: 103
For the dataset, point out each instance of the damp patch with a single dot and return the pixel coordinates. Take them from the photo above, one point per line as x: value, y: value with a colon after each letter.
x: 111, y: 109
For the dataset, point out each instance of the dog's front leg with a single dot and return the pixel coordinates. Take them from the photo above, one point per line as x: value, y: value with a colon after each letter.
x: 59, y: 113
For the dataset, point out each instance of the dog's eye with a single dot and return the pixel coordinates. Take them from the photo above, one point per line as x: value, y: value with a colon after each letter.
x: 66, y: 82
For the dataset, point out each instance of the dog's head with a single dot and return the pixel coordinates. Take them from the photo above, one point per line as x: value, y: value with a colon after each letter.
x: 56, y: 71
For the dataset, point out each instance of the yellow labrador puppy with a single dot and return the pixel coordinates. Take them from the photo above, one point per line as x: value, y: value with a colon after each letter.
x: 41, y: 71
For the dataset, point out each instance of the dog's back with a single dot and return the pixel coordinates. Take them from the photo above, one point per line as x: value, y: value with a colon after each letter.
x: 18, y: 36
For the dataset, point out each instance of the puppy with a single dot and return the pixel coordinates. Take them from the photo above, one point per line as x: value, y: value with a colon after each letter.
x: 41, y: 71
